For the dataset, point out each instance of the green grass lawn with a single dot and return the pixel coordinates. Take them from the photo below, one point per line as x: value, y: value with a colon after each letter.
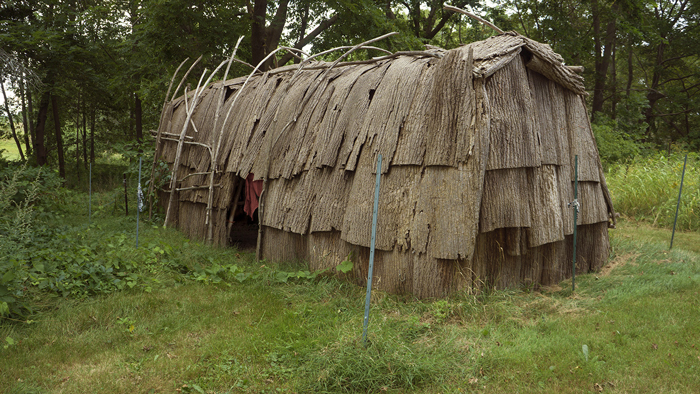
x: 631, y: 328
x: 10, y: 148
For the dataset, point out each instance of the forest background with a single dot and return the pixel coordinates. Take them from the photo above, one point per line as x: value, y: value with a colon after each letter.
x: 82, y: 307
x: 89, y: 77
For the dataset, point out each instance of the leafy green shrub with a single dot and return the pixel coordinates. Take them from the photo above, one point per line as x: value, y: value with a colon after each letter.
x: 646, y: 189
x: 16, y: 220
x: 614, y: 144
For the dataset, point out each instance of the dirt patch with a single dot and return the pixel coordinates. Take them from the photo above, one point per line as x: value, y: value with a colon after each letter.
x: 619, y: 261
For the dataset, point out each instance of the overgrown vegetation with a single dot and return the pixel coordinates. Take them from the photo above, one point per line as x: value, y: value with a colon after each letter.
x: 48, y: 248
x: 85, y: 308
x: 195, y: 333
x: 645, y: 188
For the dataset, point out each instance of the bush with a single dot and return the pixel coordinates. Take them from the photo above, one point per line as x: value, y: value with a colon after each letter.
x: 17, y: 197
x: 614, y: 144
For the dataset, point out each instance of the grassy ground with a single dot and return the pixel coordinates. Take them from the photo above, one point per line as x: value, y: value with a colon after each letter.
x: 628, y: 329
x: 11, y: 152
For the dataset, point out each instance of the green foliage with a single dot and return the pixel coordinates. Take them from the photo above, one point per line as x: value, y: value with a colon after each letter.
x: 630, y: 114
x: 16, y: 219
x: 621, y: 139
x: 614, y: 145
x: 9, y: 342
x: 47, y: 249
x: 128, y: 324
x: 646, y: 189
x: 346, y: 265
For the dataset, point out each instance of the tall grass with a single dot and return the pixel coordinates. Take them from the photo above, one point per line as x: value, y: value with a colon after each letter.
x: 646, y: 189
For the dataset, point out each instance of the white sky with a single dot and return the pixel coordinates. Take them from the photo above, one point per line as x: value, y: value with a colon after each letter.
x: 10, y: 94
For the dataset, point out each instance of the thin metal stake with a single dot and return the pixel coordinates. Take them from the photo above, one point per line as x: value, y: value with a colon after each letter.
x: 126, y: 199
x: 139, y: 204
x: 678, y: 205
x: 90, y: 197
x: 576, y: 206
x: 371, y: 249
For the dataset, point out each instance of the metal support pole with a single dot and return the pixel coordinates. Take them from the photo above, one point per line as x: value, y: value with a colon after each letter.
x: 575, y: 204
x: 139, y: 204
x: 90, y: 197
x: 678, y: 204
x: 126, y: 199
x: 371, y: 249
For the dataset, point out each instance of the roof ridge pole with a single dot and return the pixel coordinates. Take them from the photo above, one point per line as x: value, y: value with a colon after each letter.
x: 216, y: 140
x: 371, y: 249
x: 678, y: 205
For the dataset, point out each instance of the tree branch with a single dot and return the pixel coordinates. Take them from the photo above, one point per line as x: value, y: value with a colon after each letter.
x: 313, y: 34
x: 274, y: 31
x: 469, y: 14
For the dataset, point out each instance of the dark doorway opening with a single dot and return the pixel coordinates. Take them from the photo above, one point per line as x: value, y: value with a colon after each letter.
x: 242, y: 228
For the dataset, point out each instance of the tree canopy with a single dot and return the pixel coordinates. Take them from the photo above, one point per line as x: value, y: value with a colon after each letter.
x: 88, y: 75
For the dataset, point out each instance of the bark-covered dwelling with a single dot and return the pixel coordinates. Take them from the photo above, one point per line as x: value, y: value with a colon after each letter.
x: 478, y: 145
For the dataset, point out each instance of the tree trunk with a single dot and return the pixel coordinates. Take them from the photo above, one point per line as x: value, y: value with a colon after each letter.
x: 654, y: 94
x: 630, y: 70
x: 77, y: 139
x: 130, y: 131
x: 313, y: 34
x: 602, y: 61
x: 30, y: 108
x: 59, y: 138
x: 85, y: 155
x: 12, y: 123
x: 304, y: 23
x: 138, y: 118
x: 274, y: 31
x: 25, y: 122
x: 388, y: 12
x: 92, y: 136
x: 39, y: 145
x: 257, y: 30
x: 266, y: 39
x: 613, y: 80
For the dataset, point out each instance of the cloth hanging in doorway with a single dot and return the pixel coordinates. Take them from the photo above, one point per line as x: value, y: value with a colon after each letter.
x: 252, y: 193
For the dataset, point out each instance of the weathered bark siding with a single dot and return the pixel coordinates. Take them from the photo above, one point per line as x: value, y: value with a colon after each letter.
x: 501, y: 260
x: 478, y: 147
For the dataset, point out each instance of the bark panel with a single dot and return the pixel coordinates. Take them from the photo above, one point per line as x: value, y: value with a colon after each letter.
x: 513, y: 139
